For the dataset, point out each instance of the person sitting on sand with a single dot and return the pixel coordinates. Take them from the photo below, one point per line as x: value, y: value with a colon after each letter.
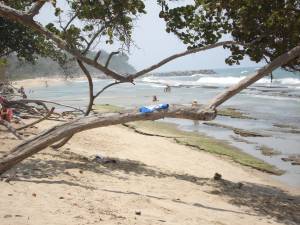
x: 22, y: 92
x: 154, y: 98
x: 195, y: 103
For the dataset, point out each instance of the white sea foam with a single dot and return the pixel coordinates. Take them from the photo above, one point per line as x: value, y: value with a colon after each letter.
x: 204, y: 80
x: 280, y: 98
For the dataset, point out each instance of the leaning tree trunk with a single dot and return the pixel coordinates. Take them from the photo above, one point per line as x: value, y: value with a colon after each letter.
x: 45, y: 139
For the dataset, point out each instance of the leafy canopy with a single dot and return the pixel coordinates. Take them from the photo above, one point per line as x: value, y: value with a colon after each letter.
x: 265, y: 28
x: 269, y: 28
x: 24, y: 42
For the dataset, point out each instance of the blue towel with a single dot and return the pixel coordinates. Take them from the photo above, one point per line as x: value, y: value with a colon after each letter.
x: 152, y: 108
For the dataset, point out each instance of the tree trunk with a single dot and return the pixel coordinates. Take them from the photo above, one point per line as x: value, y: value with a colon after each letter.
x: 246, y: 82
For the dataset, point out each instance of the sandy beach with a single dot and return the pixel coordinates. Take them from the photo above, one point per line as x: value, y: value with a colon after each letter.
x: 151, y: 180
x: 43, y: 81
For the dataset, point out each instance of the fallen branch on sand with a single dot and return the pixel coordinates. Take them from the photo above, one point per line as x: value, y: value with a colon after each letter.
x: 45, y: 139
x: 11, y: 129
x: 37, y: 121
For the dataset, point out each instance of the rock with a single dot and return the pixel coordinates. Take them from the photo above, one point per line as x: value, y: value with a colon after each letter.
x: 138, y: 213
x: 34, y: 194
x: 217, y: 176
x: 240, y: 185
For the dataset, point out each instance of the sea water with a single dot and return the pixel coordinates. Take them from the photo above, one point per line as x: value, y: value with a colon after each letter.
x: 271, y: 103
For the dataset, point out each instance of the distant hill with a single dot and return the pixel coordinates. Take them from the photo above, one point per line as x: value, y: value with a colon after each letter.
x: 46, y: 67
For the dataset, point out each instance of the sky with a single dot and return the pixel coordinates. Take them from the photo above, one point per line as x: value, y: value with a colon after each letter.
x: 154, y: 44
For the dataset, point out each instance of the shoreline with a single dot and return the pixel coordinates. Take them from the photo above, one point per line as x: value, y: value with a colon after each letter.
x: 41, y: 81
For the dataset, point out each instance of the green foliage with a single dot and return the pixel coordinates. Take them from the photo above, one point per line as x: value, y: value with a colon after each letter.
x: 268, y: 27
x: 25, y: 43
x: 114, y: 18
x: 3, y: 62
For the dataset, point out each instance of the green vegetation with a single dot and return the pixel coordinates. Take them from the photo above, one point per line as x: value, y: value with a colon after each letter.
x: 262, y: 26
x: 233, y: 113
x: 241, y: 132
x: 204, y: 143
x: 195, y: 140
x: 267, y: 151
x: 288, y: 128
x: 47, y: 67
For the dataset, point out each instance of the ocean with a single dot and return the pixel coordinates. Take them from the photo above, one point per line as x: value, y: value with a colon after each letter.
x: 274, y: 105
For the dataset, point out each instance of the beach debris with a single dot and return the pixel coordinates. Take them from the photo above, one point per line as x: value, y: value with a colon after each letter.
x: 104, y: 160
x: 34, y: 194
x: 217, y: 176
x: 138, y: 213
x: 240, y: 185
x: 7, y: 216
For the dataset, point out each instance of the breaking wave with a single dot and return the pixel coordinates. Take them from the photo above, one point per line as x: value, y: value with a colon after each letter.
x: 218, y: 81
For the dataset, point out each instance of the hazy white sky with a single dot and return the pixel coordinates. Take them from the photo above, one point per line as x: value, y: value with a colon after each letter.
x: 155, y: 44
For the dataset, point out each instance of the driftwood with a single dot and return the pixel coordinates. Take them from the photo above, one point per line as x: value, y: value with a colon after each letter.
x: 11, y: 129
x: 45, y: 139
x: 37, y: 121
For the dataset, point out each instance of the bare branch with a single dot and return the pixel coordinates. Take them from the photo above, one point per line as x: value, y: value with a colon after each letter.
x: 11, y: 129
x: 35, y: 9
x: 89, y: 44
x: 110, y: 57
x: 264, y: 71
x: 91, y: 87
x: 56, y: 103
x: 37, y: 121
x: 170, y: 58
x: 97, y: 56
x: 69, y: 22
x: 107, y: 86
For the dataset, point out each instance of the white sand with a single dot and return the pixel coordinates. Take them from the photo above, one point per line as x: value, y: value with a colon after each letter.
x: 165, y: 182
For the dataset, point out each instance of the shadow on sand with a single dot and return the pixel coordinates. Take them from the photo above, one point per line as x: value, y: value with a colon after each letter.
x: 264, y: 200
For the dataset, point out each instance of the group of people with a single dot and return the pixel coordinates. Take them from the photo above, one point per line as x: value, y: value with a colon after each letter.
x: 167, y: 89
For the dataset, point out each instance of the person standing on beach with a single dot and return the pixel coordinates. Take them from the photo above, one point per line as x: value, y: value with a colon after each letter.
x: 167, y: 89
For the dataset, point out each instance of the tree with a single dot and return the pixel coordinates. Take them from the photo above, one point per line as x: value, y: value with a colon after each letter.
x: 201, y: 26
x: 265, y: 29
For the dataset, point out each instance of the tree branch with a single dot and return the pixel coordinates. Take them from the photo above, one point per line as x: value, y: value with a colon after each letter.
x: 110, y: 57
x: 107, y: 86
x: 175, y: 56
x: 89, y: 44
x: 97, y: 56
x: 35, y: 9
x: 37, y: 121
x: 54, y: 134
x: 264, y: 71
x: 11, y: 129
x: 15, y: 15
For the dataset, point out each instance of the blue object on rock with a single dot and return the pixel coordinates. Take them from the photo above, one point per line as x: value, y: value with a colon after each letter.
x: 152, y: 108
